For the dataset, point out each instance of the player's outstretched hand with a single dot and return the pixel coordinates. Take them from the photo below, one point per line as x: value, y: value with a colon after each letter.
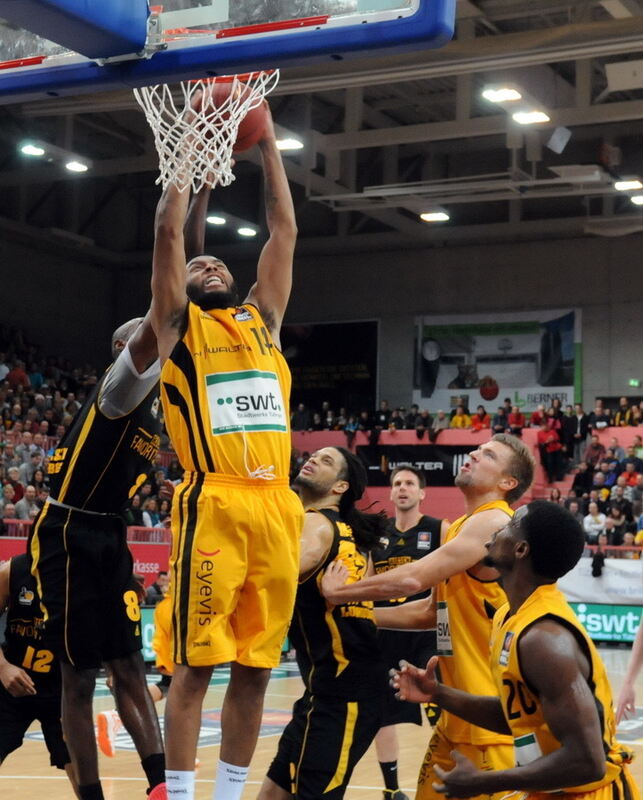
x: 626, y: 705
x: 413, y: 684
x: 16, y: 681
x: 334, y: 577
x: 462, y: 781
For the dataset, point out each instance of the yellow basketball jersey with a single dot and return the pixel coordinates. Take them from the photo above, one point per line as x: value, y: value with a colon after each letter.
x: 522, y: 709
x: 162, y: 634
x: 225, y: 391
x: 466, y: 607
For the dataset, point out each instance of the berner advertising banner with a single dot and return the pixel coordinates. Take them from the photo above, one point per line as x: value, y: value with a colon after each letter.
x: 532, y: 357
x: 440, y: 464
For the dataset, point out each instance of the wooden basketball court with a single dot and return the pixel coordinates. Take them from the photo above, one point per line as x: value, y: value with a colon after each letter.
x: 26, y: 773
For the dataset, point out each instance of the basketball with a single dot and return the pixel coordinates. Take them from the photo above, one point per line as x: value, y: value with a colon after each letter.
x: 252, y: 126
x: 489, y: 388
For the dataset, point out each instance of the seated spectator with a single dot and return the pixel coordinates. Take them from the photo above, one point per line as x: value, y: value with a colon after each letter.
x: 28, y: 468
x: 8, y: 496
x: 13, y: 478
x: 396, y: 420
x: 134, y: 513
x: 631, y: 475
x: 157, y: 590
x: 410, y: 418
x: 317, y: 423
x: 619, y: 452
x: 611, y: 472
x: 364, y: 422
x: 637, y: 444
x: 637, y: 416
x: 341, y: 420
x: 598, y: 484
x: 550, y: 448
x: 174, y: 470
x: 350, y: 429
x: 593, y: 524
x: 623, y: 416
x: 27, y: 504
x: 618, y: 500
x: 516, y: 421
x: 301, y: 419
x: 500, y: 421
x: 629, y: 540
x: 631, y: 458
x: 618, y: 525
x: 423, y: 423
x: 555, y: 496
x: 594, y: 497
x: 460, y: 419
x: 459, y: 403
x: 594, y: 452
x: 440, y: 423
x: 537, y: 416
x: 150, y: 513
x: 17, y: 377
x: 636, y: 495
x: 329, y: 421
x: 39, y: 479
x: 165, y: 511
x: 574, y: 510
x: 480, y: 420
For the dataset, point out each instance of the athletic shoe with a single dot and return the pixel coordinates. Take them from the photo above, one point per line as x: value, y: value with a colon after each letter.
x: 109, y: 723
x: 398, y: 794
x: 159, y: 792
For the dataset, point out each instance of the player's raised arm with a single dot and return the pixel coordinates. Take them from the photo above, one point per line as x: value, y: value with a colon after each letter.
x: 271, y: 291
x: 463, y: 553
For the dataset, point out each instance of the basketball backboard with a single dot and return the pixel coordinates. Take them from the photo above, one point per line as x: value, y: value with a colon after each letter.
x: 200, y: 38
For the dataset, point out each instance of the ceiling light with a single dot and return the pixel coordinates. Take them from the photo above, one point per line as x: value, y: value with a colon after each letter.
x: 246, y: 232
x: 628, y: 186
x: 29, y: 149
x: 637, y: 199
x: 501, y: 94
x: 214, y: 219
x: 435, y: 216
x: 76, y: 166
x: 530, y: 117
x: 290, y: 144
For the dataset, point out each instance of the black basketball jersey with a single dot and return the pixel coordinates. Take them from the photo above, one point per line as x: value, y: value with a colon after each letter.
x: 336, y: 646
x: 404, y: 547
x: 24, y: 631
x: 101, y: 462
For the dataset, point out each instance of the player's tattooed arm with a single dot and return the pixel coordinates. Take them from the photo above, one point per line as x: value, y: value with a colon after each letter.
x: 272, y: 289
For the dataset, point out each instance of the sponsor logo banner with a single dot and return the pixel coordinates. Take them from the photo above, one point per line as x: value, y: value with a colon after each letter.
x: 439, y: 463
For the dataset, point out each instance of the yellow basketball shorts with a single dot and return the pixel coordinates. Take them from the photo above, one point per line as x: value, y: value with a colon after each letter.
x: 234, y: 569
x: 489, y: 757
x: 623, y: 788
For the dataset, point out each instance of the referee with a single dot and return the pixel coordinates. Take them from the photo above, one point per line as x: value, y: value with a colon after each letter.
x: 412, y: 535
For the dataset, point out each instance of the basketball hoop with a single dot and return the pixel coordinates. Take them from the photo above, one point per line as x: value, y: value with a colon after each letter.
x: 194, y: 137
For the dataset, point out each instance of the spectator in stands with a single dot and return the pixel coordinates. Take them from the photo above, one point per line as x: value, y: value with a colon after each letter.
x: 636, y: 494
x: 423, y: 423
x: 500, y: 421
x: 440, y: 423
x: 134, y: 514
x: 382, y: 416
x: 550, y: 447
x: 157, y: 590
x: 637, y: 444
x: 329, y: 421
x: 537, y: 416
x: 557, y: 408
x: 623, y: 416
x: 341, y: 419
x: 611, y: 470
x: 17, y: 377
x: 630, y: 474
x: 574, y: 510
x: 23, y: 450
x: 556, y: 497
x: 460, y: 419
x: 459, y: 402
x: 618, y: 500
x: 516, y: 421
x: 350, y: 429
x: 629, y: 540
x: 632, y: 458
x: 618, y: 525
x: 8, y: 496
x: 593, y: 524
x: 396, y: 420
x: 27, y: 504
x: 165, y: 510
x: 300, y: 418
x: 174, y: 470
x: 364, y: 422
x: 27, y: 470
x: 480, y: 420
x: 595, y: 497
x: 594, y: 452
x: 619, y: 452
x: 9, y: 457
x: 507, y: 405
x: 39, y: 479
x: 4, y: 369
x: 598, y: 419
x: 409, y: 420
x: 554, y: 421
x: 150, y: 512
x: 13, y: 478
x: 579, y: 430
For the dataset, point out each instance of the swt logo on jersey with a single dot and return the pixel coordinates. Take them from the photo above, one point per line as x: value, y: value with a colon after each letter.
x: 249, y: 400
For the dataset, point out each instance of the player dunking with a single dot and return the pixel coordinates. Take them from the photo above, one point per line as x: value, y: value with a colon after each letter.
x: 467, y: 595
x: 340, y: 712
x: 411, y: 535
x: 551, y: 688
x: 235, y: 522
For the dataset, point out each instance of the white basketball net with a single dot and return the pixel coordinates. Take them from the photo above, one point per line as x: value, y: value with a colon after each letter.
x: 195, y: 146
